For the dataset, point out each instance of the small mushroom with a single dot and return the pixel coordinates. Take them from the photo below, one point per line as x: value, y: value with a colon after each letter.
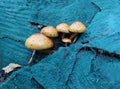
x: 76, y: 27
x: 63, y: 28
x: 66, y: 41
x: 49, y: 31
x: 38, y: 42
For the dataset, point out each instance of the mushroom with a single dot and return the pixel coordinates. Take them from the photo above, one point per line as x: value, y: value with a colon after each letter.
x: 76, y: 27
x: 66, y: 41
x: 38, y: 41
x: 49, y: 31
x: 63, y: 28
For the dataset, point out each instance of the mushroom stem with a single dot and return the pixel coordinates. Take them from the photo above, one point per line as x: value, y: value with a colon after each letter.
x: 63, y: 35
x: 66, y: 44
x: 74, y: 40
x: 34, y: 51
x: 73, y: 35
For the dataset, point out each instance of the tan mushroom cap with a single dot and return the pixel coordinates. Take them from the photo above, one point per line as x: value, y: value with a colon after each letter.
x: 38, y: 42
x: 63, y: 27
x: 66, y: 40
x: 77, y: 27
x: 49, y: 31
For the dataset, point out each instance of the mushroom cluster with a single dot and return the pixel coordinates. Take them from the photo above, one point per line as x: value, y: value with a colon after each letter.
x: 44, y: 40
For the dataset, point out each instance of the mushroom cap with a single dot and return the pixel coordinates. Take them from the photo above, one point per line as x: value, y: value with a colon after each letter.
x: 39, y: 42
x: 77, y: 27
x: 11, y: 67
x: 49, y: 31
x: 63, y: 27
x: 66, y: 40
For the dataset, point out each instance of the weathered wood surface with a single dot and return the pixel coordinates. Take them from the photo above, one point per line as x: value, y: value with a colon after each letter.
x: 91, y: 63
x: 16, y: 15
